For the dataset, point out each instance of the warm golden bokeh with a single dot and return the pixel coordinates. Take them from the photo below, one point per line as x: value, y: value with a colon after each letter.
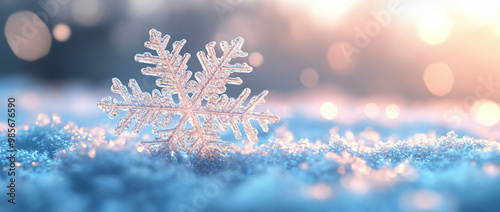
x: 392, y: 111
x: 371, y: 110
x: 323, y: 12
x: 486, y: 112
x: 434, y: 27
x: 42, y: 119
x: 329, y: 110
x: 92, y: 153
x: 438, y: 78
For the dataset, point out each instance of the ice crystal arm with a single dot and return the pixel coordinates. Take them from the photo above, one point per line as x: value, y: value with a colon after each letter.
x: 212, y: 80
x: 229, y: 112
x: 169, y: 67
x: 141, y: 106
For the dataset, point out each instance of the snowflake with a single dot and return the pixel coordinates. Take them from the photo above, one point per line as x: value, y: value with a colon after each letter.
x: 188, y: 114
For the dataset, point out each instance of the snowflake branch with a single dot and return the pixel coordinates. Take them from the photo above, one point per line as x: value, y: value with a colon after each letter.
x: 141, y: 106
x: 217, y: 70
x: 230, y: 112
x: 170, y: 67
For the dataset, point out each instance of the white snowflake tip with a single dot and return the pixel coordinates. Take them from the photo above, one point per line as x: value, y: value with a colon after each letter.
x: 199, y: 107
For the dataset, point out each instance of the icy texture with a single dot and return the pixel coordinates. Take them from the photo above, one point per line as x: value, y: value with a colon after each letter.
x: 188, y: 114
x: 91, y: 170
x: 37, y: 145
x: 40, y: 145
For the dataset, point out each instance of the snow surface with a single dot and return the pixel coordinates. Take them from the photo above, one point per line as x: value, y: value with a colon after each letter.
x: 63, y: 167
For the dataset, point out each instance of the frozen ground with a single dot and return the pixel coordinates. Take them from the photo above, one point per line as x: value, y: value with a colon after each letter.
x: 63, y: 167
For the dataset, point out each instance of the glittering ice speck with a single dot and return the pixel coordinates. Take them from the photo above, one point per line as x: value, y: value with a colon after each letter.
x: 188, y: 114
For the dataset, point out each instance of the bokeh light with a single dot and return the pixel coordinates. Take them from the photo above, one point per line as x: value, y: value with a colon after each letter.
x: 371, y: 110
x: 256, y: 59
x: 321, y: 191
x: 27, y: 35
x: 92, y: 153
x: 56, y: 119
x: 495, y: 29
x: 61, y: 32
x: 427, y: 200
x: 144, y: 7
x: 30, y: 101
x: 421, y: 200
x: 43, y: 119
x: 479, y: 12
x: 309, y: 77
x: 434, y: 27
x: 87, y: 12
x: 392, y: 111
x: 339, y: 58
x: 438, y: 78
x: 486, y: 112
x: 328, y: 110
x: 491, y: 169
x: 325, y: 11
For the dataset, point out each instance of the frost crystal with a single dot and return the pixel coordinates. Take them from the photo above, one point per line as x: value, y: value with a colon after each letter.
x: 187, y: 114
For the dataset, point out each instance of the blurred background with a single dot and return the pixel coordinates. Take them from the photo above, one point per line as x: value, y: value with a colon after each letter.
x: 403, y: 66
